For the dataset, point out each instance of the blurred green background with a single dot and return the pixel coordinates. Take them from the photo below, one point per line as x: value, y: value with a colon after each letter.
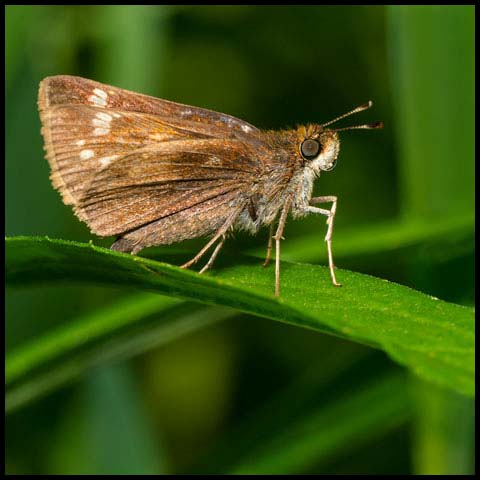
x: 207, y: 401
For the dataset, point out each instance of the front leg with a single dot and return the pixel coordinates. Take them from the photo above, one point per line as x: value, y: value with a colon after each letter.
x: 330, y: 214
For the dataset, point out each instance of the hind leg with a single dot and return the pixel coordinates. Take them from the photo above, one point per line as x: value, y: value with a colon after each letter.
x: 219, y: 234
x: 214, y: 255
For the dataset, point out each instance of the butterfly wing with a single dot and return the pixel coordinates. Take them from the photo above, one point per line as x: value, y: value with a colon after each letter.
x: 131, y: 164
x: 64, y: 90
x: 162, y: 180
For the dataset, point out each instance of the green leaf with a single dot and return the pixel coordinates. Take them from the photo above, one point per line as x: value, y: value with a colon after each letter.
x: 435, y: 130
x: 433, y: 338
x: 344, y: 423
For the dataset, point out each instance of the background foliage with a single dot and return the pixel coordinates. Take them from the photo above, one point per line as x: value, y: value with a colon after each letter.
x: 219, y: 391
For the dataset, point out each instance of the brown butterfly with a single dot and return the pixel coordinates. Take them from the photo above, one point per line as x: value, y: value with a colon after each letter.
x: 153, y: 172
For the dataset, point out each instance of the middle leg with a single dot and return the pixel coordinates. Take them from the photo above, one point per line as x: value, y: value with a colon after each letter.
x: 278, y: 236
x: 269, y: 245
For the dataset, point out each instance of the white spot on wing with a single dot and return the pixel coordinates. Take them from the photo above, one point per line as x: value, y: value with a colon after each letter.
x: 80, y: 143
x: 246, y: 128
x: 101, y: 131
x: 96, y: 122
x: 97, y: 100
x: 100, y: 93
x: 104, y: 161
x: 104, y: 116
x: 86, y: 154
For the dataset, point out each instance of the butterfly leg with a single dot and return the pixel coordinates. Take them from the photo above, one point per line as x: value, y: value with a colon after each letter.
x: 330, y: 214
x: 214, y: 255
x: 269, y: 245
x: 220, y: 233
x: 277, y: 237
x: 200, y: 254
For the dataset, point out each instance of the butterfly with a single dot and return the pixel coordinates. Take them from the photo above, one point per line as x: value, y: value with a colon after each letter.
x: 152, y: 172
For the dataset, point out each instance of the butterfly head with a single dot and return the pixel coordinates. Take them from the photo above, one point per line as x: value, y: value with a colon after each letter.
x: 319, y: 146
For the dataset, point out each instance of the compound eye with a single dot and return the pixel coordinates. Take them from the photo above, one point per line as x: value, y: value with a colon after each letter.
x: 310, y: 149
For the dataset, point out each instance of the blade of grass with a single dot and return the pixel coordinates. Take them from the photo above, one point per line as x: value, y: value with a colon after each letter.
x: 444, y: 433
x: 81, y: 331
x: 446, y: 238
x: 312, y: 387
x: 433, y: 338
x: 346, y: 422
x: 124, y: 329
x: 435, y: 130
x: 435, y: 106
x: 140, y: 33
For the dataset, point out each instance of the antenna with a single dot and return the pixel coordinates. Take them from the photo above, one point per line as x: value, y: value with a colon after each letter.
x: 366, y: 126
x: 361, y: 108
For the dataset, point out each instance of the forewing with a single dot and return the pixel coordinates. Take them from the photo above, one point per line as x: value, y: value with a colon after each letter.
x: 82, y: 140
x: 64, y: 90
x: 125, y: 160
